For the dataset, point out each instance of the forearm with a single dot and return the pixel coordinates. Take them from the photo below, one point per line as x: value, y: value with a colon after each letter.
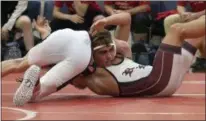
x: 123, y: 22
x: 180, y: 9
x: 20, y: 8
x: 138, y: 9
x: 109, y: 10
x: 118, y: 19
x: 80, y: 8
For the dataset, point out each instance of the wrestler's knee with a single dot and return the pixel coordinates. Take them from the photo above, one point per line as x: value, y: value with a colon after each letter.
x: 46, y: 89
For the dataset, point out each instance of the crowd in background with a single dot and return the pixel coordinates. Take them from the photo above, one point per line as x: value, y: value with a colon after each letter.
x: 148, y: 26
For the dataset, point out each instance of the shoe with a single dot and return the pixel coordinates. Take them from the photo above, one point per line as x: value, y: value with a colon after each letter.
x: 199, y: 65
x: 25, y: 91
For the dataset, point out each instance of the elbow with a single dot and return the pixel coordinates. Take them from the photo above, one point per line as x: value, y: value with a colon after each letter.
x: 125, y: 46
x: 125, y: 49
x: 128, y: 18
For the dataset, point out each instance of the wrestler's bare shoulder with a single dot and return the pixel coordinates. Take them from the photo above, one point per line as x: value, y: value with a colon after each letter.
x: 105, y: 82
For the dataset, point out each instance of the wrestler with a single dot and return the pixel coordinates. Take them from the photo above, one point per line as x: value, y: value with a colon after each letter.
x: 73, y: 52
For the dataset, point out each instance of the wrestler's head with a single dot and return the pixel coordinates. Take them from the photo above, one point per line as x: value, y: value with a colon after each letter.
x: 104, y: 48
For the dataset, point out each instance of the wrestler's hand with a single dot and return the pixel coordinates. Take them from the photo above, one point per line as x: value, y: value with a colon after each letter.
x: 98, y: 26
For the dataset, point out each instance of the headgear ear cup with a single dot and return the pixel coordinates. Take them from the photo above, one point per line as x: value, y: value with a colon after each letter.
x: 115, y: 47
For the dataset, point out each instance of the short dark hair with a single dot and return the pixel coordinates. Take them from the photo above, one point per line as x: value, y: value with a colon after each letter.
x: 101, y: 38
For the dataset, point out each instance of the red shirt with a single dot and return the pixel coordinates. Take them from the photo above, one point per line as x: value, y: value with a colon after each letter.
x: 195, y: 5
x: 69, y: 4
x: 125, y: 5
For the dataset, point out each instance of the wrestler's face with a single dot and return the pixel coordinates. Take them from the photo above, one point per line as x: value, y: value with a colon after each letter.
x: 104, y: 56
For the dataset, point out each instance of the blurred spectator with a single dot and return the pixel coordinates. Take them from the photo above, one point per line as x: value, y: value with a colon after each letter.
x: 139, y: 11
x: 197, y: 10
x: 80, y: 15
x: 14, y: 19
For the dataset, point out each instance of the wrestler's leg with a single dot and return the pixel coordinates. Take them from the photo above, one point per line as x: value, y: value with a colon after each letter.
x: 189, y: 49
x: 182, y: 54
x: 41, y: 55
x: 181, y: 31
x: 176, y: 37
x: 192, y: 29
x: 14, y: 66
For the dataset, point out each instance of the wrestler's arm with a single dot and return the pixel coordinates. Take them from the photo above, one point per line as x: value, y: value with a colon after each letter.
x: 82, y: 82
x: 14, y: 66
x: 99, y: 82
x: 123, y: 48
x: 122, y: 20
